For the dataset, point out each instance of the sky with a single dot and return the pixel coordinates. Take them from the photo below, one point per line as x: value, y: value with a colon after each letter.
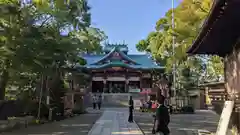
x: 128, y: 21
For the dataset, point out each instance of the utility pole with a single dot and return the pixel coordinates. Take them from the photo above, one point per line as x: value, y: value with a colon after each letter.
x: 173, y: 53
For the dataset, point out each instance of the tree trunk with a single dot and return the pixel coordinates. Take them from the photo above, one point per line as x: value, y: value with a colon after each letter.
x: 3, y: 83
x: 56, y: 86
x: 232, y: 77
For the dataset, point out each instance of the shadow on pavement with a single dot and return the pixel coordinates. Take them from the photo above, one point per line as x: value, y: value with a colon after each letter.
x: 78, y: 125
x: 181, y: 124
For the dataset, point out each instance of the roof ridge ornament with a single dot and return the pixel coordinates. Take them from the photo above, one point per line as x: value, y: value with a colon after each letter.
x: 119, y: 53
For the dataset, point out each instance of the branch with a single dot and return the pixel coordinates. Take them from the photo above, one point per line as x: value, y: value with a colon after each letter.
x: 200, y: 7
x: 50, y: 16
x: 204, y: 10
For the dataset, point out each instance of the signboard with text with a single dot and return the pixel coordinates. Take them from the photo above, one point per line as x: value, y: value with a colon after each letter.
x: 134, y: 90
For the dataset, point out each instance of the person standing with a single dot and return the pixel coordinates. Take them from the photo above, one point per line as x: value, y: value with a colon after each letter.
x: 99, y: 102
x: 131, y: 107
x: 149, y: 105
x: 94, y: 101
x: 162, y: 117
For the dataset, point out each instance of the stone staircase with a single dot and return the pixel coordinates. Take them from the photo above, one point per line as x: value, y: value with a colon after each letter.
x: 115, y: 100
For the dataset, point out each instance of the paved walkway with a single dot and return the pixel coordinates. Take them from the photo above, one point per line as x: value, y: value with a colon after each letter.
x: 79, y: 125
x: 114, y: 122
x: 182, y: 124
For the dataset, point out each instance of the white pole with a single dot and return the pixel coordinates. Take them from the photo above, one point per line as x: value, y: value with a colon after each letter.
x: 173, y: 52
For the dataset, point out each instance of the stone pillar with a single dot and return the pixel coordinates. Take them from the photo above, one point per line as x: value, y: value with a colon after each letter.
x: 126, y: 85
x: 126, y: 82
x: 140, y: 79
x: 151, y: 81
x: 104, y: 86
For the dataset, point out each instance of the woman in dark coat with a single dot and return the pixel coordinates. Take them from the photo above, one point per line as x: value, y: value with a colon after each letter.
x: 130, y: 118
x: 162, y: 117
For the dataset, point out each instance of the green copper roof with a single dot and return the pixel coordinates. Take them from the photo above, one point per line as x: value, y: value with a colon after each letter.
x: 114, y: 64
x: 121, y: 47
x: 144, y: 62
x: 116, y: 49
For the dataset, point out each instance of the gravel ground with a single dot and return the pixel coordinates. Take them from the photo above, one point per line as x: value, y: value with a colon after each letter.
x: 78, y: 125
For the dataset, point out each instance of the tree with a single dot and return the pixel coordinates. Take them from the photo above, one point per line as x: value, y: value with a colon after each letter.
x: 32, y: 43
x: 189, y: 15
x: 143, y: 45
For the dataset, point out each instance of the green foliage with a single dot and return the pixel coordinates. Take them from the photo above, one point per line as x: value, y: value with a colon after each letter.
x: 143, y: 45
x: 32, y: 43
x: 189, y: 16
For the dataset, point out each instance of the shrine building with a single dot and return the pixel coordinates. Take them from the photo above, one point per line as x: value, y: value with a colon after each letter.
x: 220, y: 35
x: 117, y: 71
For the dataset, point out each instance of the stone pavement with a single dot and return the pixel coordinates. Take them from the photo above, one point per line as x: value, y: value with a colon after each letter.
x: 78, y: 125
x: 114, y: 122
x: 181, y: 124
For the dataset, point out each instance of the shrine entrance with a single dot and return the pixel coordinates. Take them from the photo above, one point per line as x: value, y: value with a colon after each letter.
x: 134, y: 85
x: 117, y: 75
x: 97, y: 86
x: 116, y: 87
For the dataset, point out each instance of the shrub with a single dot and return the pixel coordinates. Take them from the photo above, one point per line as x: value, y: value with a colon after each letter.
x: 187, y: 109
